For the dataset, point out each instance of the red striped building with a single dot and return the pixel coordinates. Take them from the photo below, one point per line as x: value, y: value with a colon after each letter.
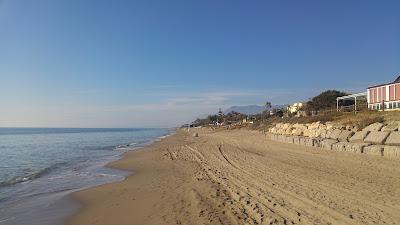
x: 384, y: 96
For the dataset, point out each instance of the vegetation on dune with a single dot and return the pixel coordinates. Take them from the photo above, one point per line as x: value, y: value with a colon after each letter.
x: 220, y: 118
x: 361, y: 119
x: 321, y: 108
x: 325, y: 100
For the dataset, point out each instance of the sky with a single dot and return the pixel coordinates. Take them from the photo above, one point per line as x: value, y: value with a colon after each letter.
x: 96, y: 63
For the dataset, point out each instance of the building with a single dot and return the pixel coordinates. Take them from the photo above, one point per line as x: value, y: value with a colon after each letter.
x: 295, y: 107
x: 384, y: 96
x: 247, y: 120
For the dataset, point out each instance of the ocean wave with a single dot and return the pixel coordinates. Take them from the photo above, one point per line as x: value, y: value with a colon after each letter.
x: 125, y: 146
x: 121, y: 147
x: 27, y: 177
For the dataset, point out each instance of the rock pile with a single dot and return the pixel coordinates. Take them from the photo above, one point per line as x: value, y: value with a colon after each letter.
x: 377, y: 139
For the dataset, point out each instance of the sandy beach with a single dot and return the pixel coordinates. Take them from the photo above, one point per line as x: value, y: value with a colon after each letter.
x: 240, y: 177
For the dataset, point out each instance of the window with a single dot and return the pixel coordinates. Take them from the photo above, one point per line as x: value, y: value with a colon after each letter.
x: 390, y: 105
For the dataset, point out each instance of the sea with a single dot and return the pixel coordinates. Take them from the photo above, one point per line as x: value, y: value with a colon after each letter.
x: 40, y: 167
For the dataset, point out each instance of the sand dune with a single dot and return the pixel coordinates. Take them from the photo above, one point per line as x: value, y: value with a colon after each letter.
x: 239, y: 177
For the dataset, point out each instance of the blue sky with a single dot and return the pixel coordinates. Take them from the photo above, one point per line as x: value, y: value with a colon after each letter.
x: 73, y: 63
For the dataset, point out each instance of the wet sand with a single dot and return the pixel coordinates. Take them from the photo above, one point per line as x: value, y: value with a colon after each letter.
x: 240, y: 177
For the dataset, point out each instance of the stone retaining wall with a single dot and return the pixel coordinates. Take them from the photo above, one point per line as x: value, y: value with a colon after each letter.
x: 376, y: 139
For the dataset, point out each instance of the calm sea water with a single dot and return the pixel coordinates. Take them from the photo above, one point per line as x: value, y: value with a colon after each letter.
x: 39, y: 166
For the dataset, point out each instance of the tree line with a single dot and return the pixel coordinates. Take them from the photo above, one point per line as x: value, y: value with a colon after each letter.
x: 326, y: 100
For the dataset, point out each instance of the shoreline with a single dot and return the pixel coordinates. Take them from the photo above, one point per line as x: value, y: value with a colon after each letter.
x: 78, y: 204
x: 53, y: 204
x: 240, y: 177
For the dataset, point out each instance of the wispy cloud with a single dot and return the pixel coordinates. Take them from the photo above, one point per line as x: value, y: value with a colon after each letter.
x: 164, y: 110
x: 193, y: 101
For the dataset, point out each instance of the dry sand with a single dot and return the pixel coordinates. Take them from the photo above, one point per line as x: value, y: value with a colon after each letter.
x: 239, y: 177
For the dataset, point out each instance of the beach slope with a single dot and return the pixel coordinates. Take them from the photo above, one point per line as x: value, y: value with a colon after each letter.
x: 240, y: 177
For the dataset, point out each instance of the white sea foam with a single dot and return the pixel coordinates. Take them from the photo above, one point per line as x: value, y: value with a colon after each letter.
x: 72, y: 161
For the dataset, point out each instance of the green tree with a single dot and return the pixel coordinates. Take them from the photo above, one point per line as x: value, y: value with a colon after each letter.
x: 267, y: 105
x: 325, y: 100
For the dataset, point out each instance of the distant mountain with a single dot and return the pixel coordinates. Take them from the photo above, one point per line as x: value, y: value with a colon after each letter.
x: 251, y: 109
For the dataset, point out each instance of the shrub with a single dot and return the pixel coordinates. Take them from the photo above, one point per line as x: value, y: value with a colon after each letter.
x: 325, y: 100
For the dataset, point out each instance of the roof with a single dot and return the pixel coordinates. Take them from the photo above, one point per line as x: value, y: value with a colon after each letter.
x: 352, y: 96
x: 394, y: 82
x: 397, y: 80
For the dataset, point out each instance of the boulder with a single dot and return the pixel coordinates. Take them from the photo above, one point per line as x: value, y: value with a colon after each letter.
x: 313, y: 126
x: 288, y: 131
x: 271, y: 136
x: 335, y: 134
x: 374, y: 127
x: 392, y: 126
x: 282, y: 138
x: 296, y: 140
x: 289, y: 139
x: 359, y: 136
x: 328, y: 133
x: 356, y: 147
x: 392, y: 151
x: 272, y: 130
x: 327, y: 143
x: 340, y: 146
x: 374, y: 150
x: 285, y: 138
x: 306, y: 141
x: 195, y: 134
x: 318, y: 132
x: 275, y: 137
x: 345, y: 135
x: 312, y: 133
x: 323, y: 133
x: 297, y: 132
x: 316, y: 142
x: 303, y: 140
x: 356, y: 128
x: 307, y: 132
x: 393, y: 138
x: 329, y: 125
x: 376, y: 137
